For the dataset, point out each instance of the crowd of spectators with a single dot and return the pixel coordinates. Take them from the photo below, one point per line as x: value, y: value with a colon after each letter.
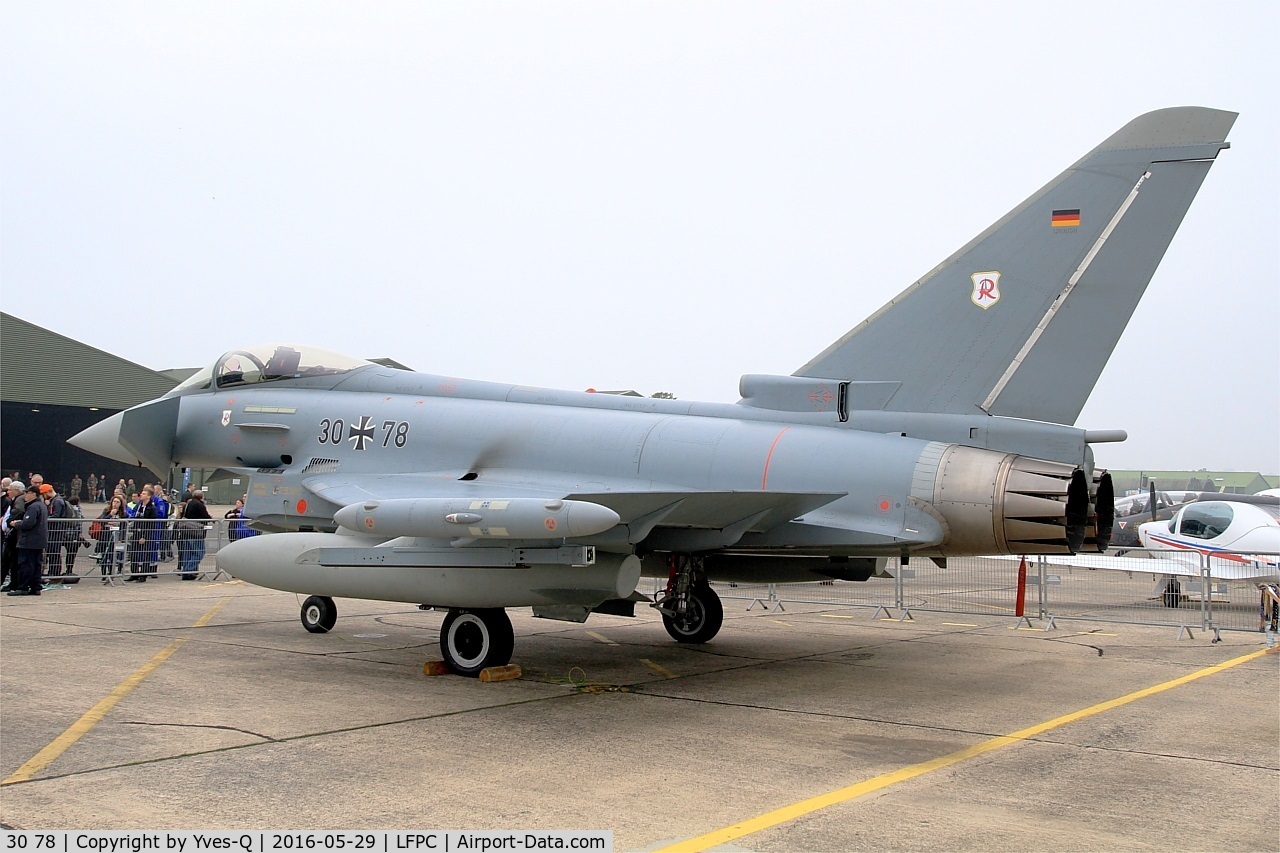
x: 138, y: 528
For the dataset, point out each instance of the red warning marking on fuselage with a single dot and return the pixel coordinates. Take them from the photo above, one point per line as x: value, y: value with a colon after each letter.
x: 764, y: 479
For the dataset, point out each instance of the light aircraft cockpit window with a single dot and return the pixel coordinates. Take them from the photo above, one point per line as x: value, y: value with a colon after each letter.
x: 272, y: 363
x: 1206, y: 520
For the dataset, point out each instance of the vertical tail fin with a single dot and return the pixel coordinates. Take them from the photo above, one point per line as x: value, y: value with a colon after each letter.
x: 1021, y: 321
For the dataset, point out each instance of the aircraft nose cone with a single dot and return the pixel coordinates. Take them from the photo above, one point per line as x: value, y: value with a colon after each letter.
x: 103, y: 438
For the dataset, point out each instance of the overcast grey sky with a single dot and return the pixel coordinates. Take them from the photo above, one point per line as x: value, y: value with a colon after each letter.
x: 659, y: 196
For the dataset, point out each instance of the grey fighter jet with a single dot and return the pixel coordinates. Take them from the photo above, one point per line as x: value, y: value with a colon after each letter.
x: 940, y: 426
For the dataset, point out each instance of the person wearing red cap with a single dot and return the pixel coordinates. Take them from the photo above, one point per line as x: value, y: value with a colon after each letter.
x: 62, y: 533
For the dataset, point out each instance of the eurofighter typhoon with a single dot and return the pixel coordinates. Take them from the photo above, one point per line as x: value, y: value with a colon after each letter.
x: 940, y: 426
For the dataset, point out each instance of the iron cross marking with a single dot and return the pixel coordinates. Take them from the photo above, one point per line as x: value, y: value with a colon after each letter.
x: 362, y: 434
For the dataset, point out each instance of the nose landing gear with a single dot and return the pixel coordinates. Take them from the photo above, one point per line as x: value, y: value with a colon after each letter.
x: 319, y: 614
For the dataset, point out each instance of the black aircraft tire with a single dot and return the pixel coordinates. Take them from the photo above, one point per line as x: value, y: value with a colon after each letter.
x: 1172, y: 594
x: 319, y: 614
x: 702, y: 622
x: 472, y: 640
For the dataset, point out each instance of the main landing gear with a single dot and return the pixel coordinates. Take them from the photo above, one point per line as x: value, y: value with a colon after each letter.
x: 472, y: 640
x: 691, y: 610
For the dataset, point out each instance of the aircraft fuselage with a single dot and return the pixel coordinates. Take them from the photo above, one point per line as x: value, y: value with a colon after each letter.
x: 310, y: 451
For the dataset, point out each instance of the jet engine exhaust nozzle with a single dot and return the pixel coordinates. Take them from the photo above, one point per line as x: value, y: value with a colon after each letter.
x: 1002, y: 503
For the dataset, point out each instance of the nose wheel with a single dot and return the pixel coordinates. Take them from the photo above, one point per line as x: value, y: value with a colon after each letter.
x: 319, y: 614
x: 472, y: 640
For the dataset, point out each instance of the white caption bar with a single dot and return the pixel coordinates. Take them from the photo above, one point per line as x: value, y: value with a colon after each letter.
x: 259, y: 841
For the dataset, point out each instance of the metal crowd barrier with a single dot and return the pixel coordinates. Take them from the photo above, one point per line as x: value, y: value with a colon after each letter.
x: 1213, y: 597
x: 115, y: 550
x: 1242, y: 604
x: 1114, y: 589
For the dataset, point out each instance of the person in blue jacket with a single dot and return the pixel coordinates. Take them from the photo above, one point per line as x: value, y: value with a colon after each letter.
x: 144, y: 539
x: 165, y: 537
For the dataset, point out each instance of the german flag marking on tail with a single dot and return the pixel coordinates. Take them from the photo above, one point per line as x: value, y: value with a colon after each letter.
x: 1066, y: 218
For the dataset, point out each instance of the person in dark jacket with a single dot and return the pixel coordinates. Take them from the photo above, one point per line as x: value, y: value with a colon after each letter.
x: 144, y: 539
x: 191, y: 542
x: 9, y: 551
x: 239, y: 527
x: 32, y: 530
x: 60, y: 534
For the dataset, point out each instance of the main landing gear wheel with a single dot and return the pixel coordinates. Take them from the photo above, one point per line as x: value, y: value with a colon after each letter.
x: 1172, y: 594
x: 319, y: 614
x: 472, y: 640
x: 700, y: 619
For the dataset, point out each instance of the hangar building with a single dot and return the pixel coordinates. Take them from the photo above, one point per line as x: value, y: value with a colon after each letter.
x: 52, y: 387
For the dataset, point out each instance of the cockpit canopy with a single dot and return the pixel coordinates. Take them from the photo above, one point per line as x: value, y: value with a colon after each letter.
x: 269, y: 363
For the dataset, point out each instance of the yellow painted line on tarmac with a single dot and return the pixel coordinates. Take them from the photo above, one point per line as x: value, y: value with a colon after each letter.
x: 601, y: 637
x: 658, y: 668
x: 1002, y: 608
x: 837, y: 615
x: 1096, y: 634
x: 94, y: 715
x: 210, y: 613
x: 843, y: 795
x: 999, y: 608
x: 780, y: 622
x: 961, y: 624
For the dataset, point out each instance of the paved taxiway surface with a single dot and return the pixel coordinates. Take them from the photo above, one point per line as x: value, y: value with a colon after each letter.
x: 213, y: 709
